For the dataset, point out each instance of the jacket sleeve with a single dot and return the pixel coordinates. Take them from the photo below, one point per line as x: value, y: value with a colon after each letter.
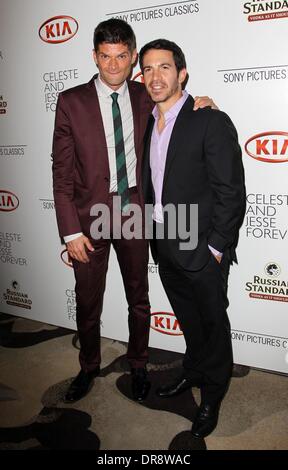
x: 63, y: 171
x: 226, y: 175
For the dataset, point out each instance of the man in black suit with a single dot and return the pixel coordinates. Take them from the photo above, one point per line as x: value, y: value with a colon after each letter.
x: 193, y: 159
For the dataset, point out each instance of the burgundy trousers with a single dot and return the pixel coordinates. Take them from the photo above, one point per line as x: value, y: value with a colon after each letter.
x: 132, y: 256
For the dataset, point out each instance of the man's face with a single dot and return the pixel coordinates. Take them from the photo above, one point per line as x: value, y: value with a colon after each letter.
x: 161, y: 78
x: 114, y: 62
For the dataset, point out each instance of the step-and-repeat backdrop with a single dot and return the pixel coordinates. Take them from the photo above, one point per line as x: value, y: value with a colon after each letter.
x: 237, y: 53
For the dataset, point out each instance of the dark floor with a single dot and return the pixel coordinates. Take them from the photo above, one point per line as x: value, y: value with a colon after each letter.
x: 38, y: 361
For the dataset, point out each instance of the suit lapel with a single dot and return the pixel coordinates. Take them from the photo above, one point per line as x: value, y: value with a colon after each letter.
x: 139, y: 123
x: 98, y: 139
x: 176, y: 132
x: 146, y: 172
x: 135, y: 104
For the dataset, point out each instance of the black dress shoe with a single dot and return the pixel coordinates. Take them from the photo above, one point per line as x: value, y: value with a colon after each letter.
x: 81, y: 385
x: 205, y: 421
x: 180, y: 386
x: 140, y: 383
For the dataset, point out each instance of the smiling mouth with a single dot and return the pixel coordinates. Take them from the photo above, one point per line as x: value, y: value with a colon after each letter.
x: 156, y: 87
x: 157, y: 90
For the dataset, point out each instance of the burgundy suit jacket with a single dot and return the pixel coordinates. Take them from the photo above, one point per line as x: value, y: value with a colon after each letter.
x: 81, y: 176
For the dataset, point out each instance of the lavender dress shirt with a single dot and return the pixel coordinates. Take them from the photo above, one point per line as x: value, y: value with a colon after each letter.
x: 158, y: 154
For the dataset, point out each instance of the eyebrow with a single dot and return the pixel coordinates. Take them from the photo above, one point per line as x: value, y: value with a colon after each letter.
x: 160, y: 65
x: 120, y: 53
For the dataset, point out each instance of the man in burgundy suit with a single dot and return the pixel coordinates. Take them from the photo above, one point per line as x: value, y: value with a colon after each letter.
x: 86, y: 172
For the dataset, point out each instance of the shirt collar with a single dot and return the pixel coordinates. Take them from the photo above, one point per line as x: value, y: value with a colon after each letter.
x: 105, y: 91
x: 174, y: 110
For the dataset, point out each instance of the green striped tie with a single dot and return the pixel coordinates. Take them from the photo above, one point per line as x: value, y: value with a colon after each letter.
x: 122, y: 180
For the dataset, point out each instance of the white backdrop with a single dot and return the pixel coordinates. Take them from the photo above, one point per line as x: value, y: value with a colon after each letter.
x: 236, y: 52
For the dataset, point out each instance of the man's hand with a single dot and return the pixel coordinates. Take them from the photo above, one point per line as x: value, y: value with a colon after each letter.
x: 218, y: 258
x: 203, y: 101
x: 77, y: 248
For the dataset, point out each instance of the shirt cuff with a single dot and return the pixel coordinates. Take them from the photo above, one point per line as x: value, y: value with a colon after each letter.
x: 215, y: 252
x: 69, y: 238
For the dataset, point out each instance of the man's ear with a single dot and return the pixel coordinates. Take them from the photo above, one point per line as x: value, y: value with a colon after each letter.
x: 95, y: 57
x: 182, y: 76
x: 134, y: 57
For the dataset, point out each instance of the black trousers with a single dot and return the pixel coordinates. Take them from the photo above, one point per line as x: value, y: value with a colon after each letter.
x: 199, y: 301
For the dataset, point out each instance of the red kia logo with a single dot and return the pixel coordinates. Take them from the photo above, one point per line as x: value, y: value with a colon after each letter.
x: 138, y: 77
x: 8, y: 201
x: 270, y: 147
x: 58, y: 29
x: 66, y: 258
x: 165, y: 323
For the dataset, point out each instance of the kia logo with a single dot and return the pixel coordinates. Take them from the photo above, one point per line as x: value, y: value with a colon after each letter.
x: 58, y: 29
x: 270, y: 147
x: 66, y: 258
x: 8, y: 201
x: 165, y: 323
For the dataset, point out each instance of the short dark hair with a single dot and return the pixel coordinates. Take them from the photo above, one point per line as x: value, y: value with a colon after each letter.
x: 178, y: 55
x: 114, y: 31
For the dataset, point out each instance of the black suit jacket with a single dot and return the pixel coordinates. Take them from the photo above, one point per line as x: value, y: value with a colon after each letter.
x: 203, y: 167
